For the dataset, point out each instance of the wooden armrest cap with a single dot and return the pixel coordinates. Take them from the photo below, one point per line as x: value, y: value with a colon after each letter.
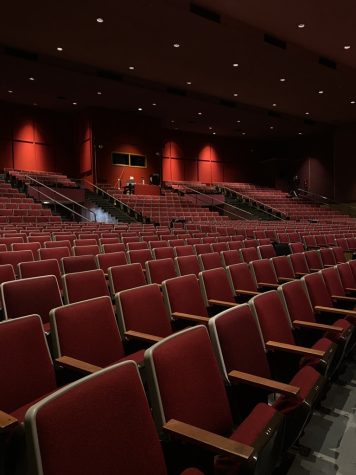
x: 78, y: 365
x: 302, y: 350
x: 264, y: 383
x: 189, y: 316
x: 142, y: 336
x: 7, y: 421
x: 222, y: 303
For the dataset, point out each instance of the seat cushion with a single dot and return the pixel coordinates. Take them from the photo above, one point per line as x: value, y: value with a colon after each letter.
x: 323, y: 344
x: 137, y: 357
x: 336, y: 336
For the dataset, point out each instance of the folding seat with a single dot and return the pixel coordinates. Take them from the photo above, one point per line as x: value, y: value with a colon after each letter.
x: 65, y: 237
x: 109, y: 240
x: 110, y: 259
x: 78, y: 264
x: 85, y: 242
x: 327, y: 257
x: 91, y: 236
x: 208, y: 240
x: 314, y: 261
x: 351, y: 242
x: 349, y: 280
x: 133, y: 246
x: 53, y: 253
x: 187, y: 265
x: 36, y: 295
x: 140, y: 256
x: 122, y: 440
x: 192, y: 241
x: 184, y: 396
x: 216, y: 289
x: 283, y: 268
x: 15, y: 257
x: 187, y: 250
x: 211, y: 260
x: 342, y: 242
x: 279, y: 340
x: 339, y: 254
x: 163, y: 252
x: 321, y: 240
x: 84, y: 285
x: 10, y: 240
x: 230, y: 257
x: 39, y: 238
x: 299, y: 264
x: 87, y: 331
x: 159, y: 270
x: 89, y: 250
x: 296, y: 247
x: 155, y: 244
x: 264, y: 274
x: 202, y: 248
x: 3, y: 247
x: 113, y: 247
x: 251, y: 243
x: 7, y: 273
x: 30, y: 246
x: 267, y: 251
x: 241, y: 357
x: 149, y: 237
x: 219, y: 246
x: 184, y: 300
x: 242, y: 281
x: 335, y: 287
x: 51, y: 244
x: 249, y: 254
x: 235, y: 245
x: 176, y: 242
x: 40, y: 268
x: 264, y: 242
x: 125, y: 277
x: 310, y: 242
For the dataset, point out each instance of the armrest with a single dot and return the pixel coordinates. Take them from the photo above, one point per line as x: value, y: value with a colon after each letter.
x: 192, y: 318
x: 263, y: 383
x: 285, y: 279
x: 350, y: 289
x: 301, y: 350
x: 317, y: 326
x: 208, y: 440
x: 314, y: 269
x: 221, y: 303
x: 267, y: 284
x: 77, y: 365
x: 6, y: 421
x: 344, y: 298
x: 336, y: 311
x: 246, y: 292
x: 300, y: 274
x: 142, y: 336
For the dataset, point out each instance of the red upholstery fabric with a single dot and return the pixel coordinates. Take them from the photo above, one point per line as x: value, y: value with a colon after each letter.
x: 264, y: 271
x: 211, y: 260
x: 87, y: 250
x: 317, y: 290
x: 187, y: 250
x: 216, y: 285
x: 6, y: 273
x: 230, y: 257
x: 113, y: 247
x: 267, y: 251
x: 159, y: 270
x: 327, y: 256
x: 253, y: 425
x: 85, y: 285
x: 347, y: 274
x: 143, y: 310
x: 188, y: 265
x: 39, y: 268
x: 54, y: 253
x: 184, y: 295
x: 78, y: 264
x: 283, y: 267
x: 241, y: 277
x: 299, y: 263
x: 249, y: 254
x: 140, y: 256
x: 15, y: 257
x: 27, y: 296
x: 126, y: 277
x: 314, y: 260
x: 111, y: 259
x: 26, y: 368
x: 297, y: 301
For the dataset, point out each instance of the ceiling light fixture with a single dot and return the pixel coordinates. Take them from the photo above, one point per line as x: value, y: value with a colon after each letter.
x: 176, y: 45
x: 271, y: 127
x: 10, y: 91
x: 282, y: 79
x: 99, y: 93
x: 131, y: 68
x: 100, y: 20
x: 31, y: 78
x: 140, y: 109
x: 235, y: 94
x: 347, y: 47
x: 321, y: 92
x: 75, y: 103
x: 300, y: 133
x: 214, y: 133
x: 210, y: 128
x: 274, y: 105
x: 238, y: 121
x: 154, y: 104
x: 199, y: 113
x: 301, y: 25
x: 59, y: 48
x: 352, y: 102
x: 307, y: 113
x: 235, y: 65
x: 243, y: 133
x: 189, y: 83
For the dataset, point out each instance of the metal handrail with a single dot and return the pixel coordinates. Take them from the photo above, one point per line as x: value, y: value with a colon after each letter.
x: 217, y: 204
x: 63, y: 196
x: 248, y: 198
x: 64, y: 206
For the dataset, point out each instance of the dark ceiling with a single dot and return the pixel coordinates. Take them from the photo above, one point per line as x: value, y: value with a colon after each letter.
x: 262, y: 37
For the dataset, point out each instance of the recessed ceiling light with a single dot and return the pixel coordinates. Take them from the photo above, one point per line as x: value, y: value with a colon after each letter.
x: 214, y: 133
x: 321, y: 91
x: 347, y: 46
x: 176, y: 45
x: 301, y: 25
x: 238, y: 121
x: 131, y: 68
x: 34, y: 104
x: 235, y: 65
x: 31, y: 78
x: 99, y: 93
x: 189, y: 83
x: 274, y: 105
x: 210, y: 128
x: 154, y: 104
x: 235, y: 94
x: 199, y: 113
x: 300, y: 133
x: 172, y: 121
x: 271, y: 127
x: 282, y: 79
x: 243, y: 133
x: 139, y: 109
x: 100, y: 20
x: 307, y: 113
x: 352, y: 102
x: 10, y: 91
x: 59, y: 48
x: 75, y: 103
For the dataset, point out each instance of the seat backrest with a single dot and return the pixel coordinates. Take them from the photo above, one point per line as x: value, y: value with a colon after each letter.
x: 133, y: 246
x: 63, y: 243
x: 54, y: 253
x: 125, y: 277
x: 85, y: 242
x: 249, y: 254
x: 339, y: 254
x: 314, y: 260
x: 272, y: 318
x: 181, y: 388
x: 327, y: 256
x: 163, y: 252
x: 240, y: 277
x: 124, y: 439
x: 317, y: 290
x: 296, y: 247
x: 266, y: 251
x: 140, y: 256
x: 214, y: 284
x: 187, y: 265
x: 231, y: 257
x: 237, y: 342
x: 31, y: 246
x: 333, y: 281
x: 26, y: 367
x: 78, y: 263
x: 202, y: 248
x: 283, y: 267
x: 33, y: 295
x: 264, y: 271
x: 299, y: 263
x: 142, y: 309
x: 113, y: 247
x: 65, y: 236
x: 347, y: 271
x: 219, y: 246
x: 39, y: 268
x: 88, y: 331
x: 86, y: 250
x: 159, y: 270
x: 6, y: 273
x: 84, y: 285
x: 15, y: 257
x: 182, y: 294
x: 211, y: 260
x: 296, y: 301
x: 235, y: 245
x: 187, y: 250
x: 110, y: 259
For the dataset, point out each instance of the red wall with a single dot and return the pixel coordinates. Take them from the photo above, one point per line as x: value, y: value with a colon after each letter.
x: 35, y: 139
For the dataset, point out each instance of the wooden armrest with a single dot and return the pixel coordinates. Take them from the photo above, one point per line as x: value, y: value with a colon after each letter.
x: 192, y: 318
x: 336, y: 311
x: 285, y: 279
x: 350, y: 289
x: 300, y: 274
x: 317, y: 326
x: 6, y: 421
x: 77, y: 365
x: 264, y: 383
x: 208, y: 440
x: 314, y: 269
x: 267, y: 284
x: 142, y: 336
x: 246, y: 292
x: 344, y: 298
x: 301, y: 350
x: 221, y: 303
